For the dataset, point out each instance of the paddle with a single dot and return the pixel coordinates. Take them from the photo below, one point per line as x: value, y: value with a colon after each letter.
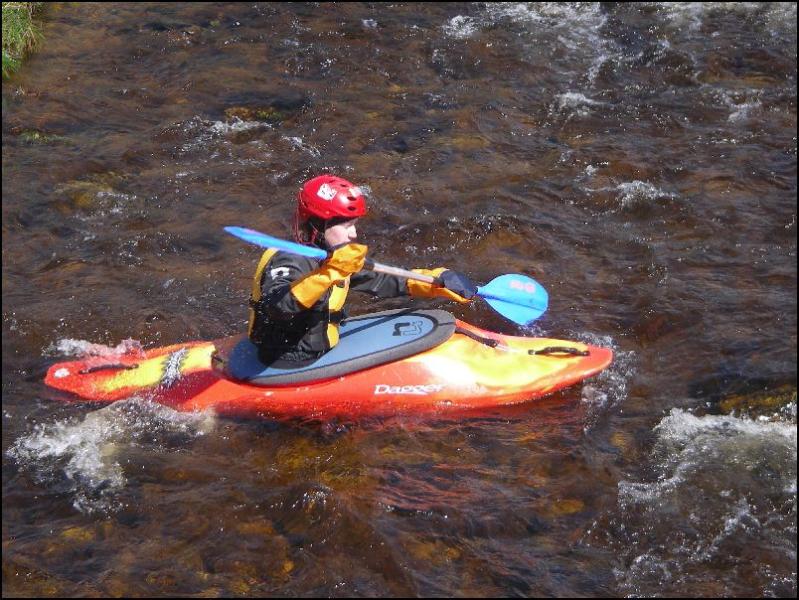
x: 518, y: 298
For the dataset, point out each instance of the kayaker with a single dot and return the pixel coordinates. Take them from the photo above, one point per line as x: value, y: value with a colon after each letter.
x: 297, y: 303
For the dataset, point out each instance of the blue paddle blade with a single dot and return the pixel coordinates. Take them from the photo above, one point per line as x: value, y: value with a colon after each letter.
x: 521, y: 315
x: 267, y: 241
x: 517, y: 297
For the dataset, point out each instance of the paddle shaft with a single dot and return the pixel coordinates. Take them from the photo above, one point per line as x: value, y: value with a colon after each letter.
x: 397, y: 272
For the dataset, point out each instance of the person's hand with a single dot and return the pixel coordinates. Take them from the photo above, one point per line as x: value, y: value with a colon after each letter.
x: 458, y: 283
x: 456, y: 286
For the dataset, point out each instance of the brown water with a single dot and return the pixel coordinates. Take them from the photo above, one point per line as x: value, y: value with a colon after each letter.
x: 638, y: 160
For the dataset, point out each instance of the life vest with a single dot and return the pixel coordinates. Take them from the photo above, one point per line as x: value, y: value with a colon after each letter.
x: 311, y: 332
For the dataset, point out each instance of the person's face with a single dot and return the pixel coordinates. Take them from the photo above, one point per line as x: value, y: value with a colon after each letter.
x: 341, y: 233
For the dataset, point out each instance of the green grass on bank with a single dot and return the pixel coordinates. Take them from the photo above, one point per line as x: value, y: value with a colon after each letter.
x: 19, y: 33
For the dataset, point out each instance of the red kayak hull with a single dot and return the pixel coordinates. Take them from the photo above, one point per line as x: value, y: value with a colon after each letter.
x: 459, y: 375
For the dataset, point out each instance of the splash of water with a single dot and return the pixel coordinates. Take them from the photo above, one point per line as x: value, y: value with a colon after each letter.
x: 634, y: 192
x: 83, y: 348
x: 575, y: 103
x: 607, y: 390
x: 83, y: 456
x: 725, y: 489
x: 460, y: 27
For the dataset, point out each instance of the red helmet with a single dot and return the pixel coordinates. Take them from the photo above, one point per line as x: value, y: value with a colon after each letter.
x: 329, y: 197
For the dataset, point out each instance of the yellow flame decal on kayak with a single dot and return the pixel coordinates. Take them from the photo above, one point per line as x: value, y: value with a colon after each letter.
x: 509, y: 366
x: 151, y: 372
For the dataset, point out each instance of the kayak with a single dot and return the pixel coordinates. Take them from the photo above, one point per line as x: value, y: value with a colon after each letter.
x: 387, y: 363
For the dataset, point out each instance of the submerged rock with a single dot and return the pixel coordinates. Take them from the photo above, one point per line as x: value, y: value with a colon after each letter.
x: 265, y: 114
x: 35, y: 136
x: 24, y: 576
x: 79, y: 534
x: 432, y: 552
x: 759, y: 404
x: 272, y: 109
x: 563, y: 507
x: 96, y: 191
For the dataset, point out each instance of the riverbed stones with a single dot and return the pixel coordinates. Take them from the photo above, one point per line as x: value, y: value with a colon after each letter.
x: 266, y: 114
x: 35, y: 136
x: 94, y: 191
x: 759, y: 404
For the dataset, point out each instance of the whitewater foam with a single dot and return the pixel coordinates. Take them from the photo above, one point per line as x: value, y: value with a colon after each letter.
x: 84, y: 455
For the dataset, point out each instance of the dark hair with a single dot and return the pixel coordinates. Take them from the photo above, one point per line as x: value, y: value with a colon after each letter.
x: 311, y: 232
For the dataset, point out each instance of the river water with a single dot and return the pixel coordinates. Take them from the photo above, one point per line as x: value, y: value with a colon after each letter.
x: 638, y: 159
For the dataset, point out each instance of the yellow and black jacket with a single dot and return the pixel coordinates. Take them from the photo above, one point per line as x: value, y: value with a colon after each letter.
x: 296, y: 305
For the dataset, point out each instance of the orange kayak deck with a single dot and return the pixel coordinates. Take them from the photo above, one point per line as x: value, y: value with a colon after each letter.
x: 463, y: 373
